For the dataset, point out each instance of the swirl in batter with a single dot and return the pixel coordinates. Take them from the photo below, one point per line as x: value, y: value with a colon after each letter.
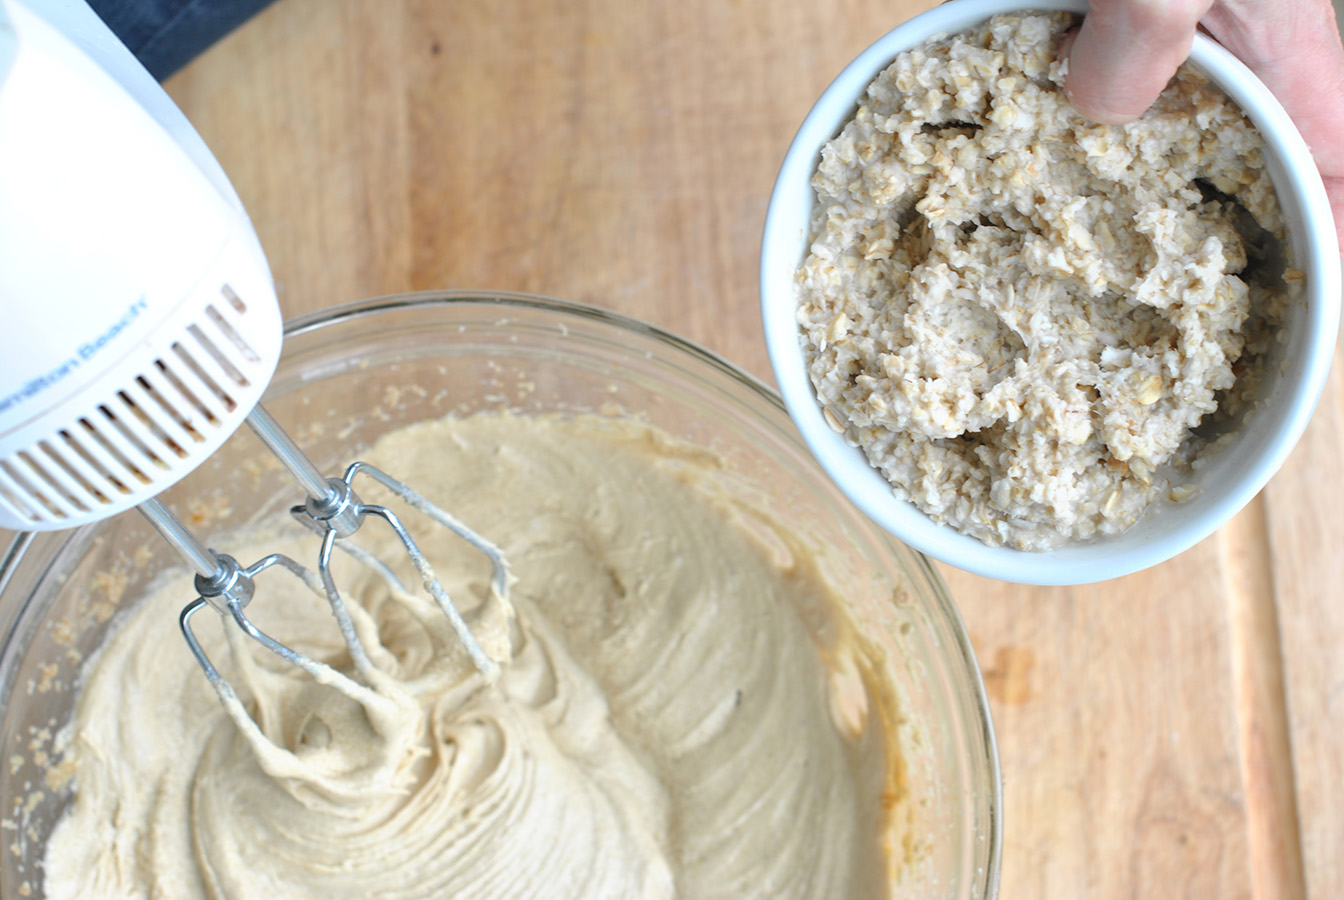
x: 665, y: 724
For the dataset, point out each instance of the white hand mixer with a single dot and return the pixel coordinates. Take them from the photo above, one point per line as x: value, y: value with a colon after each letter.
x: 139, y: 325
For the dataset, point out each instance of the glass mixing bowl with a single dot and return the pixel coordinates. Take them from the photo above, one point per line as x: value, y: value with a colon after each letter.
x: 351, y: 373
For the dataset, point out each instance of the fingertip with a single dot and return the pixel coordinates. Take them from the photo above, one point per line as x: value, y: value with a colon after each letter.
x: 1080, y: 82
x: 1103, y: 115
x: 1116, y: 68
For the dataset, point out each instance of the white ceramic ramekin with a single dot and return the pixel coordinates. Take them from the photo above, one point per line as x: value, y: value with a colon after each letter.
x: 1225, y: 482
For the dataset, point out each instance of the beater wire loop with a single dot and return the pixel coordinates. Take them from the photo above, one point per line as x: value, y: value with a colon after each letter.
x: 320, y: 671
x: 334, y: 512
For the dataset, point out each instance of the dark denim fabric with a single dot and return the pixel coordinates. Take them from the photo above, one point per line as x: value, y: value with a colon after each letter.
x: 165, y: 35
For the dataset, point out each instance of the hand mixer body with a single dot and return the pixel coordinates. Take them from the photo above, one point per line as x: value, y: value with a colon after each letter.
x: 140, y: 327
x: 138, y: 319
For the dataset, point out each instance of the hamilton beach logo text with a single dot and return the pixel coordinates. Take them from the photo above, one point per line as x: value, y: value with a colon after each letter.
x: 85, y: 352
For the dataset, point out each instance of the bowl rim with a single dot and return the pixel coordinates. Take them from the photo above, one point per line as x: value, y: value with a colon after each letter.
x: 784, y: 245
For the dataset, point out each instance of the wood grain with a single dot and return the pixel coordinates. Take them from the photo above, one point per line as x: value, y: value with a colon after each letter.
x: 1176, y: 733
x: 1257, y: 673
x: 1305, y: 519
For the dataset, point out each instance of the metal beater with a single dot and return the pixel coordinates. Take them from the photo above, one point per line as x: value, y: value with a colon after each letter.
x: 334, y: 511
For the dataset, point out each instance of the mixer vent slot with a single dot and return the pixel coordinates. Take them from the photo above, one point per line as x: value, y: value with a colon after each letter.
x: 16, y: 500
x: 160, y: 436
x: 26, y: 491
x: 58, y: 498
x: 174, y: 415
x: 79, y: 483
x: 234, y: 300
x: 99, y: 468
x: 106, y: 443
x: 233, y: 337
x: 225, y: 364
x: 212, y: 388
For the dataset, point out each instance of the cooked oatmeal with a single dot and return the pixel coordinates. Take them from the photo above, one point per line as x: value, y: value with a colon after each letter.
x: 1026, y: 320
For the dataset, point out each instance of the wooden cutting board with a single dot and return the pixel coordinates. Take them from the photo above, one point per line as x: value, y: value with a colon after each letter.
x: 1177, y: 733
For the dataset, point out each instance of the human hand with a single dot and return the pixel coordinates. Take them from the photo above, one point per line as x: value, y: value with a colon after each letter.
x: 1127, y: 50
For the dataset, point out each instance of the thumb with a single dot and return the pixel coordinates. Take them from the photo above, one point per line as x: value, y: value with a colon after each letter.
x: 1125, y: 53
x: 1295, y: 50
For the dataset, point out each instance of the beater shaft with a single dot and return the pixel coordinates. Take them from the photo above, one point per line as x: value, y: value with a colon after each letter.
x: 197, y: 555
x: 219, y: 579
x: 278, y: 441
x: 329, y: 500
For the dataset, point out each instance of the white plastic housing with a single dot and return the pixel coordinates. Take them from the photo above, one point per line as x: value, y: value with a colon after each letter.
x: 138, y: 319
